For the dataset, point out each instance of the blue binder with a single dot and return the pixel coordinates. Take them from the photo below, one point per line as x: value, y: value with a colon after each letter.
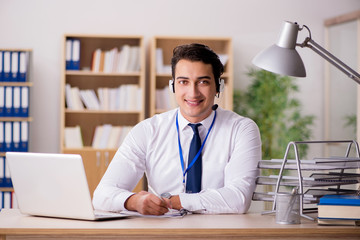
x: 68, y: 53
x: 7, y: 66
x: 14, y: 66
x: 24, y: 139
x: 2, y: 199
x: 1, y: 65
x: 16, y: 147
x: 2, y: 171
x: 24, y: 106
x: 8, y: 137
x: 2, y: 101
x: 75, y: 54
x: 8, y: 182
x: 23, y: 66
x: 8, y: 101
x: 2, y: 136
x: 16, y: 101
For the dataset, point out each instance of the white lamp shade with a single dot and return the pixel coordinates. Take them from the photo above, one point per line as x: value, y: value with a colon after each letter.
x: 282, y: 58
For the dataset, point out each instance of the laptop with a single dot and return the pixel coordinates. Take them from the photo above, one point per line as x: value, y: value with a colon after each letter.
x: 53, y: 185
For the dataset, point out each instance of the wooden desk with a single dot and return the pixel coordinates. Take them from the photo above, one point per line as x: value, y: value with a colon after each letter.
x: 14, y: 225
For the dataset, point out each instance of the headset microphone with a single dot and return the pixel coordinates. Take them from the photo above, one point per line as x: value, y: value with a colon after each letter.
x: 214, y: 107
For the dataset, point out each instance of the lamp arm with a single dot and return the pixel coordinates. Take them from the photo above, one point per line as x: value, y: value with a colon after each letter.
x: 331, y: 59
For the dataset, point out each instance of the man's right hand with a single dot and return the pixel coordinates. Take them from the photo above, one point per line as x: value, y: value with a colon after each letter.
x: 147, y: 204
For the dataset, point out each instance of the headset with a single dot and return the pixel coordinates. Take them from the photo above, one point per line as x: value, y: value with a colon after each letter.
x: 219, y: 87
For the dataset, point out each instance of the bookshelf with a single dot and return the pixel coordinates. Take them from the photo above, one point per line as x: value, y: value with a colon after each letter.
x: 14, y: 113
x: 160, y: 70
x: 86, y: 67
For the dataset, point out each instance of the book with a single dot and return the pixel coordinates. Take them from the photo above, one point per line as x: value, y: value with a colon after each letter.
x: 73, y: 137
x: 339, y: 207
x: 334, y: 222
x: 350, y: 200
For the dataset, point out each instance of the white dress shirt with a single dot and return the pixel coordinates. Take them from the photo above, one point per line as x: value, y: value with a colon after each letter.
x: 229, y: 163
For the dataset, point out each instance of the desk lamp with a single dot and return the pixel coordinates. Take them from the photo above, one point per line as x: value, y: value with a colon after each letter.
x: 282, y: 58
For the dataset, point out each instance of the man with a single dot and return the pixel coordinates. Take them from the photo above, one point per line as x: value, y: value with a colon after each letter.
x: 217, y: 178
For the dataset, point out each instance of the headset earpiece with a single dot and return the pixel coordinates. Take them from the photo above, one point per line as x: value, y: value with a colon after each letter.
x: 171, y: 85
x: 221, y: 85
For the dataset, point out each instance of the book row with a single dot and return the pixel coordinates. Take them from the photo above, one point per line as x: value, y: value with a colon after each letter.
x: 14, y: 136
x: 127, y: 97
x: 105, y: 136
x: 8, y: 200
x: 5, y: 179
x: 127, y: 59
x: 165, y: 99
x: 108, y: 136
x: 14, y: 101
x: 13, y: 66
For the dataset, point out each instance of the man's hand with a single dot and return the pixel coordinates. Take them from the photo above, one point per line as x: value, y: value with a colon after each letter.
x: 147, y: 204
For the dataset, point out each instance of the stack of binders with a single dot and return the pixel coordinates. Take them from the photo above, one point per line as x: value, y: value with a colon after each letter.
x: 14, y: 136
x: 14, y: 101
x: 14, y: 66
x: 339, y: 210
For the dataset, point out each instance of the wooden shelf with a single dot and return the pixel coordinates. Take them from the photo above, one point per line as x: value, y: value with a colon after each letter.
x: 97, y: 160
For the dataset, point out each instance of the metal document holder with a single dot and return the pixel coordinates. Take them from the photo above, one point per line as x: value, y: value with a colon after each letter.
x: 299, y: 173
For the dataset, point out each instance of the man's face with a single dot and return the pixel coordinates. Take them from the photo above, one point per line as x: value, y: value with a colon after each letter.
x: 194, y: 89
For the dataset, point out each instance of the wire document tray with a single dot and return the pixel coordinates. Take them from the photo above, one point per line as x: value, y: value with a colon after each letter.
x: 325, y: 172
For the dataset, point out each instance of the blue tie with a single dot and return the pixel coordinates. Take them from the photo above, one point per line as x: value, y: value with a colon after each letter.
x: 193, y: 182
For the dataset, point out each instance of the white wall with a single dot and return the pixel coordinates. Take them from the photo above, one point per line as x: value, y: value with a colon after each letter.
x: 253, y: 25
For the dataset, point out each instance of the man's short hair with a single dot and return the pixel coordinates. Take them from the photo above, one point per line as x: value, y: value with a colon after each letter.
x: 198, y: 52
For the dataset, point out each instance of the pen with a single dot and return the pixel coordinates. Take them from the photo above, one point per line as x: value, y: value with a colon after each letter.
x: 182, y: 212
x: 154, y: 192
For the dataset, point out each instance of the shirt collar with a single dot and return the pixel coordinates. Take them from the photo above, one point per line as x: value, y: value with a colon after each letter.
x: 184, y: 123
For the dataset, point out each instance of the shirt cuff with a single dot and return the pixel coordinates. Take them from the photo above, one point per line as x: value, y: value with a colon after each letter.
x: 121, y: 199
x: 191, y: 201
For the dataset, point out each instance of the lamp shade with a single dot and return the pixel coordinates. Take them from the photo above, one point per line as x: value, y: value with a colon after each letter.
x: 282, y: 58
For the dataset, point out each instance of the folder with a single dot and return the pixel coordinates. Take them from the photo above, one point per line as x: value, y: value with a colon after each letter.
x: 16, y: 102
x: 14, y: 66
x: 16, y: 137
x: 8, y: 101
x: 68, y: 54
x: 23, y: 66
x: 24, y: 106
x: 75, y: 57
x: 24, y: 140
x: 8, y: 136
x: 2, y: 101
x: 2, y: 136
x: 1, y: 65
x: 7, y: 67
